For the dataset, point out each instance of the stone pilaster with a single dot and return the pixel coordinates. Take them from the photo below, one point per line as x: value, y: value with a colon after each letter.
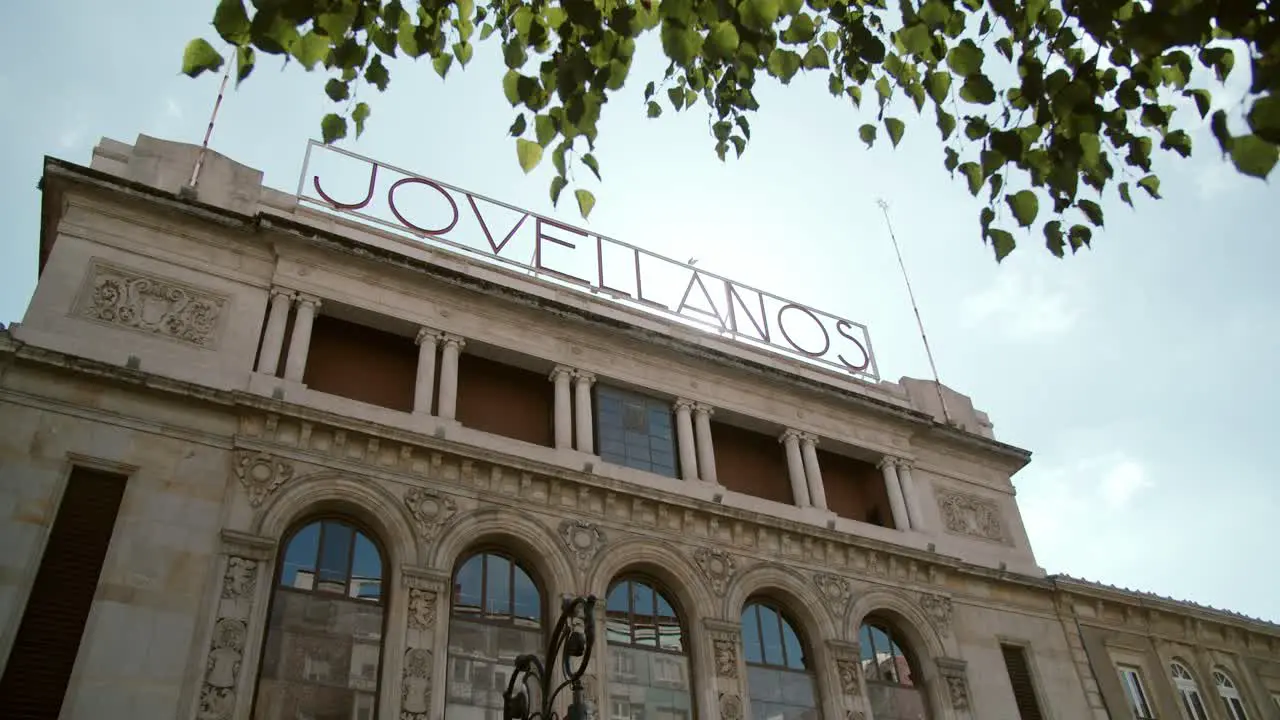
x: 953, y: 674
x: 850, y: 686
x: 729, y: 670
x: 426, y: 601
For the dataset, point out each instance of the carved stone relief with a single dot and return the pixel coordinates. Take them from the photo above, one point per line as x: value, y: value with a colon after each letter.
x: 835, y: 590
x: 847, y: 669
x: 730, y: 707
x: 260, y: 474
x: 430, y: 511
x: 725, y: 650
x: 151, y: 305
x: 717, y: 566
x: 970, y: 515
x: 583, y: 539
x: 938, y: 608
x: 415, y: 686
x: 226, y: 647
x: 422, y: 609
x: 958, y: 690
x: 855, y: 715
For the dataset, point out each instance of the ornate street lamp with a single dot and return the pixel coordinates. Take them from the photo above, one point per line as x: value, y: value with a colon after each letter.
x: 530, y: 672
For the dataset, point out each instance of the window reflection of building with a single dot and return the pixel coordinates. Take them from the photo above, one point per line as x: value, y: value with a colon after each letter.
x: 780, y: 681
x: 649, y: 668
x: 496, y: 616
x: 324, y: 633
x: 890, y: 674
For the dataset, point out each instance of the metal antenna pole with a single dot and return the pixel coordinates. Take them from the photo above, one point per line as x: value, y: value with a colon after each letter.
x: 204, y: 147
x: 884, y: 208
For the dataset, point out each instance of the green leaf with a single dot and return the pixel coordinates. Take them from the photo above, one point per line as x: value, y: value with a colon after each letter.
x: 511, y: 87
x: 939, y: 84
x: 1079, y: 236
x: 681, y: 44
x: 759, y: 14
x: 336, y: 90
x: 359, y: 115
x: 724, y: 38
x: 974, y: 175
x: 1151, y: 184
x: 463, y: 51
x: 376, y: 74
x: 676, y: 96
x: 586, y: 201
x: 978, y: 89
x: 946, y: 123
x: 895, y: 128
x: 915, y: 39
x: 1091, y: 210
x: 1002, y: 242
x: 654, y: 109
x: 544, y: 129
x: 953, y: 159
x: 965, y: 59
x: 1254, y: 156
x: 1264, y: 118
x: 783, y: 64
x: 815, y: 58
x: 518, y: 126
x: 1220, y: 59
x: 829, y: 40
x: 311, y: 49
x: 1178, y: 141
x: 1053, y: 238
x: 557, y: 186
x: 244, y: 62
x: 590, y: 161
x: 333, y: 127
x: 1124, y: 194
x: 800, y: 31
x: 529, y: 153
x: 442, y: 63
x: 198, y: 57
x: 868, y: 134
x: 231, y: 22
x: 1218, y: 125
x: 1025, y: 206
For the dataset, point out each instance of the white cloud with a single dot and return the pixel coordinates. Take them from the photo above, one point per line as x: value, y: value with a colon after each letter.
x: 1124, y: 480
x: 1021, y: 305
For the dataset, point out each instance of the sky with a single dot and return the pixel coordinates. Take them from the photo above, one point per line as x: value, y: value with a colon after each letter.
x: 1140, y: 373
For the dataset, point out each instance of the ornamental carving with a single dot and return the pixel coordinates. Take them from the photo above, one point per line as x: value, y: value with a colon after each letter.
x: 730, y: 707
x: 222, y: 667
x: 958, y: 690
x: 583, y: 539
x: 422, y: 609
x: 261, y: 474
x: 834, y: 588
x: 726, y: 656
x: 938, y: 608
x: 415, y: 686
x: 970, y: 515
x: 240, y: 578
x: 151, y: 305
x: 847, y: 669
x: 430, y: 511
x: 717, y: 566
x: 854, y: 715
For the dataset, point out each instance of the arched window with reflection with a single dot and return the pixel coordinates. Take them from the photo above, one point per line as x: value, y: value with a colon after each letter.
x: 1192, y: 704
x: 496, y: 615
x: 649, y: 676
x: 893, y: 678
x: 1230, y: 695
x: 323, y: 647
x: 780, y: 680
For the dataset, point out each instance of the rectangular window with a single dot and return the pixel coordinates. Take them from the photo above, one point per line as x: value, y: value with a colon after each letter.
x: 48, y: 639
x: 1131, y: 679
x: 635, y: 431
x: 1024, y: 692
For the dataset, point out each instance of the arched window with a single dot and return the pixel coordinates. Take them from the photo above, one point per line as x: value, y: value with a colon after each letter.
x: 496, y: 615
x: 1230, y: 695
x: 1192, y: 705
x: 780, y: 680
x: 648, y: 661
x: 893, y: 679
x: 324, y: 634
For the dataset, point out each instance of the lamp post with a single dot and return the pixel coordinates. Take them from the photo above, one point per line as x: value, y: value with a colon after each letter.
x: 566, y: 641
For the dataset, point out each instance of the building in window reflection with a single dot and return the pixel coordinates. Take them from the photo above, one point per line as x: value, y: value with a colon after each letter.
x: 275, y: 457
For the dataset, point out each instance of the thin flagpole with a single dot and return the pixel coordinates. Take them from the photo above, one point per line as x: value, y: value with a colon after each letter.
x: 204, y: 147
x: 884, y: 208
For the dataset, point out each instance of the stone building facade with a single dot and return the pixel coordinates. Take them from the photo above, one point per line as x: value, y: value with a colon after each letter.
x: 261, y: 460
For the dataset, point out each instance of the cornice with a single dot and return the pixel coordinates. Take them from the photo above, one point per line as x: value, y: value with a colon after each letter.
x: 1147, y: 602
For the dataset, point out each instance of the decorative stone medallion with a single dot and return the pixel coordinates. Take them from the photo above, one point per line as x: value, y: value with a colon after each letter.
x: 430, y: 511
x: 717, y: 566
x: 730, y: 707
x: 415, y: 687
x: 260, y: 474
x: 583, y: 539
x: 964, y: 514
x: 151, y: 305
x: 422, y: 609
x: 938, y: 608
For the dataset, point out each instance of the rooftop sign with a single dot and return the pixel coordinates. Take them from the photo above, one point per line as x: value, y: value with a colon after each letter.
x: 494, y: 231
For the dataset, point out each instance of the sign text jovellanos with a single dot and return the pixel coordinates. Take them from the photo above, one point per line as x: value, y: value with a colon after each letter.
x: 443, y: 214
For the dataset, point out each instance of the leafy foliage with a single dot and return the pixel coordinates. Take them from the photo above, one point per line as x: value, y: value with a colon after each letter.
x: 1051, y: 94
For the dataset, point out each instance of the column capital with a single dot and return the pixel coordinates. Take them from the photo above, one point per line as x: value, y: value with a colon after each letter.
x: 559, y: 370
x: 887, y: 461
x: 450, y: 339
x: 306, y: 299
x: 703, y: 409
x: 789, y: 434
x: 584, y: 376
x: 904, y: 463
x: 425, y: 334
x: 277, y: 291
x: 808, y: 438
x: 683, y: 404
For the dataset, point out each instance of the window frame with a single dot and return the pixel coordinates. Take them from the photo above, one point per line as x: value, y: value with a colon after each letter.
x: 897, y: 640
x: 623, y: 394
x: 483, y: 617
x: 1187, y: 687
x: 1228, y: 691
x: 784, y: 617
x: 1125, y: 671
x: 358, y: 527
x: 659, y: 590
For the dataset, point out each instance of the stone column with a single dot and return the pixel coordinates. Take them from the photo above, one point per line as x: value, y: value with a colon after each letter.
x: 562, y: 376
x: 809, y: 452
x: 850, y: 685
x: 424, y: 386
x: 790, y: 440
x: 729, y: 669
x: 706, y: 451
x: 910, y: 497
x: 418, y: 671
x: 684, y: 437
x: 896, y: 503
x: 273, y: 335
x: 449, y: 375
x: 300, y: 341
x: 584, y: 420
x: 952, y: 672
